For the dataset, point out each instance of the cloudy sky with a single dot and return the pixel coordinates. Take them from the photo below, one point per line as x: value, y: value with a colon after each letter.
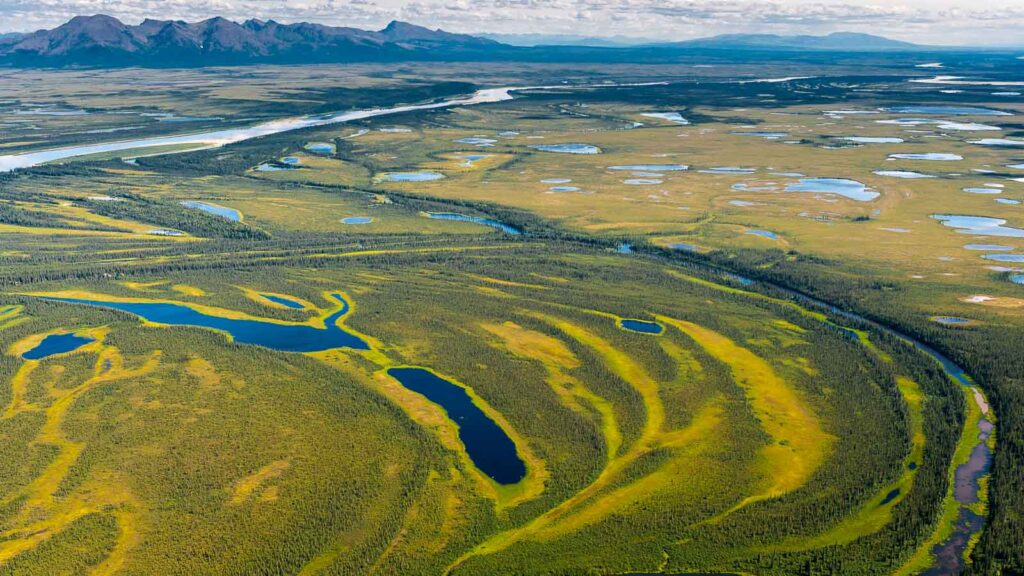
x: 984, y: 22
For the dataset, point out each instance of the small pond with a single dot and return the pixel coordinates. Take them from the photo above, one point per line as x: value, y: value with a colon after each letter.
x: 642, y: 326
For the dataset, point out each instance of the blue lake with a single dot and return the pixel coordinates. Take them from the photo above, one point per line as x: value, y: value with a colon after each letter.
x: 288, y: 302
x: 983, y: 190
x: 651, y: 167
x: 641, y: 326
x: 764, y: 233
x: 474, y: 219
x: 56, y: 344
x: 286, y: 337
x: 357, y: 220
x: 222, y: 211
x: 291, y: 160
x: 947, y: 110
x: 992, y: 247
x: 847, y: 188
x: 409, y: 176
x: 1017, y: 278
x: 487, y: 445
x: 564, y: 189
x: 902, y: 174
x: 642, y: 182
x: 728, y: 170
x: 624, y: 248
x: 556, y: 181
x: 477, y: 141
x: 1014, y: 258
x: 940, y: 156
x: 999, y: 142
x: 953, y: 320
x: 1008, y: 201
x: 320, y: 147
x: 979, y: 225
x: 567, y: 148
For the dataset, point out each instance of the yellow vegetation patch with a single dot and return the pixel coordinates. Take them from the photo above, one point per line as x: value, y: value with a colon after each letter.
x: 799, y: 444
x: 203, y: 371
x: 532, y: 344
x: 245, y: 487
x: 142, y: 286
x: 188, y: 290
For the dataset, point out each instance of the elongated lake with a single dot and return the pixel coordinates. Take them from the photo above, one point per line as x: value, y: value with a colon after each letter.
x: 488, y: 446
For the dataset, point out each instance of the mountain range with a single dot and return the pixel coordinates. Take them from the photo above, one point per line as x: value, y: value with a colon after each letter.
x: 104, y: 41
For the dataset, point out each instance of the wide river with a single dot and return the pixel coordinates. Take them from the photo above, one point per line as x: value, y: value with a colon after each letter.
x: 222, y: 137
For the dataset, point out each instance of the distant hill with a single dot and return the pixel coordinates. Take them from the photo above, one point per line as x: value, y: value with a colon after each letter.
x: 837, y: 41
x: 106, y: 41
x: 568, y: 40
